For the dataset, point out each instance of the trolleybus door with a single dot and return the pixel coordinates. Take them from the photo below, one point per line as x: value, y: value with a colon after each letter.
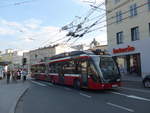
x: 84, y: 75
x: 61, y: 74
x: 47, y: 73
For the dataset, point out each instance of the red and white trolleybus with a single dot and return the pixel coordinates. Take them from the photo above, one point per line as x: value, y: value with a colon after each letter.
x: 80, y: 69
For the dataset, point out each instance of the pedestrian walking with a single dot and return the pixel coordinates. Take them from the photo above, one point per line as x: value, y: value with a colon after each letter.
x: 8, y: 76
x: 24, y: 75
x: 14, y: 76
x: 4, y: 73
x: 18, y: 74
x: 5, y: 69
x: 1, y: 72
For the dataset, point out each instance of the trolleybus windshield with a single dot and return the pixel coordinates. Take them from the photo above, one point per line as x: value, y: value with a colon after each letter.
x: 109, y: 68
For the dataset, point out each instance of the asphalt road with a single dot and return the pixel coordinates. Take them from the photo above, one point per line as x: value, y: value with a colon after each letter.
x: 43, y: 97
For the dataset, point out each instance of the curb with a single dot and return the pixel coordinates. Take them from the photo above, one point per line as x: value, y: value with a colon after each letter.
x: 17, y: 100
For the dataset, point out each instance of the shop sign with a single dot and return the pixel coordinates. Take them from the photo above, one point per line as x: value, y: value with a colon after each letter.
x: 123, y: 50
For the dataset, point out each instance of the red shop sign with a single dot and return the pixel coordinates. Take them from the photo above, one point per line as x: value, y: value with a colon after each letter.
x: 123, y: 50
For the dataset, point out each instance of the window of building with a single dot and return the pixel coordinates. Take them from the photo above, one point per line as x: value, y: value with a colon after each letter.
x: 133, y: 10
x: 135, y: 33
x: 118, y: 16
x: 106, y: 2
x: 116, y: 1
x: 148, y: 3
x: 149, y: 29
x: 119, y: 37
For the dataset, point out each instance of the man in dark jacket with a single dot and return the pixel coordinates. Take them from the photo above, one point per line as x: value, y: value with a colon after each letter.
x: 8, y: 74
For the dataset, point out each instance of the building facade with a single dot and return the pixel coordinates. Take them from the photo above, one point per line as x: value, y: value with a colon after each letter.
x: 7, y: 55
x: 41, y: 54
x: 128, y: 31
x: 81, y: 47
x: 101, y: 47
x: 13, y: 57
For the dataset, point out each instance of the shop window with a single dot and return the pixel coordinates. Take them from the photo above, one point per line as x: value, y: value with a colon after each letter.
x: 149, y: 5
x: 135, y: 33
x: 133, y: 10
x: 118, y: 16
x: 119, y: 37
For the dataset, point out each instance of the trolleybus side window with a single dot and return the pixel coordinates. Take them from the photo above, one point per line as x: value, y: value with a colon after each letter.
x: 92, y: 72
x: 54, y: 67
x: 58, y: 67
x: 94, y: 68
x: 38, y: 70
x: 77, y: 66
x: 42, y: 68
x: 33, y: 69
x: 84, y: 67
x: 51, y: 68
x: 70, y: 67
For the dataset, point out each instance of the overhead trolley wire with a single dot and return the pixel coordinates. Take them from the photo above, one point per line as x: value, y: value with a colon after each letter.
x: 17, y: 3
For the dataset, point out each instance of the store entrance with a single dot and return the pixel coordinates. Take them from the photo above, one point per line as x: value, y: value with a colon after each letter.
x: 129, y: 64
x: 134, y: 66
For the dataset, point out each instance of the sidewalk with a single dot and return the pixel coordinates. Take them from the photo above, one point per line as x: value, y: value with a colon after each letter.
x: 10, y: 94
x: 131, y: 78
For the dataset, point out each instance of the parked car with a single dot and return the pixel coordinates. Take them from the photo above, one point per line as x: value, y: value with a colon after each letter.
x: 146, y: 81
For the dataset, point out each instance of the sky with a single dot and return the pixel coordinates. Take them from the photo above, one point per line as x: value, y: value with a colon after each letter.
x: 31, y: 24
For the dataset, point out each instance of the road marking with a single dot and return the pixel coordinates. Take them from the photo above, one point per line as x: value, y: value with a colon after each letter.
x: 50, y: 84
x: 119, y: 94
x: 132, y: 96
x: 139, y: 98
x: 132, y: 89
x: 38, y: 83
x: 121, y: 107
x: 67, y: 88
x: 85, y: 95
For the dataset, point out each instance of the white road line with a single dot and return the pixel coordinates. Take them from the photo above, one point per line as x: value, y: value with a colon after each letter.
x: 139, y: 98
x: 132, y: 96
x: 132, y: 89
x: 50, y: 84
x: 85, y: 95
x: 121, y: 107
x: 67, y: 88
x: 120, y: 94
x: 38, y: 83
